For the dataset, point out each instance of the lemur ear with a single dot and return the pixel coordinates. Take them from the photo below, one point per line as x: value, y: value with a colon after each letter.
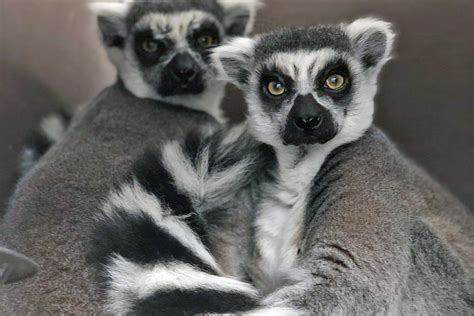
x: 372, y: 41
x: 239, y: 16
x: 111, y: 21
x: 233, y: 60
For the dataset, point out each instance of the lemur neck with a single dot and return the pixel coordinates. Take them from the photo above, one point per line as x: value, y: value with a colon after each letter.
x: 302, y: 162
x: 208, y: 101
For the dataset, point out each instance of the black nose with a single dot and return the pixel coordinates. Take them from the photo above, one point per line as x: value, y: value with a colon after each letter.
x: 183, y: 67
x: 309, y: 122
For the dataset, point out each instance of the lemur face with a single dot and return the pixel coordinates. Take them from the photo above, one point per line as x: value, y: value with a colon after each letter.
x: 171, y: 51
x: 307, y: 86
x: 161, y: 47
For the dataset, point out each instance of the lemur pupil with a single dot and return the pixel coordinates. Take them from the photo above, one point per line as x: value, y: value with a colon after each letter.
x: 206, y: 41
x: 150, y: 46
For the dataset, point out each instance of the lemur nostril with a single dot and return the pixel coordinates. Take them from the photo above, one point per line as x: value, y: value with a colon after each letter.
x: 309, y: 122
x: 185, y: 74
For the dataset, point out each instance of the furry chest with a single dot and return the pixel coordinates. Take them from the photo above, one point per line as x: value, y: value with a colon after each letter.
x: 278, y: 231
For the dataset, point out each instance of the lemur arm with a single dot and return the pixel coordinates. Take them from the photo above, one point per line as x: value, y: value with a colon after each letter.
x: 369, y: 257
x: 149, y: 243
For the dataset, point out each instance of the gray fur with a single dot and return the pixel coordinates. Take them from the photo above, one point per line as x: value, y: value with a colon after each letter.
x: 50, y: 212
x: 304, y: 38
x: 144, y: 7
x: 367, y: 242
x: 407, y: 244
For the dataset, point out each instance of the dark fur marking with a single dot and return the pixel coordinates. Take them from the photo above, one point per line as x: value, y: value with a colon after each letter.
x: 344, y: 251
x: 138, y: 239
x: 334, y: 260
x: 374, y: 48
x: 311, y: 68
x: 293, y: 39
x: 142, y: 8
x: 156, y: 179
x: 110, y: 29
x: 236, y: 70
x: 192, y: 302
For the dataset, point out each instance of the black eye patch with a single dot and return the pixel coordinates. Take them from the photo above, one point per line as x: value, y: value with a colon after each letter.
x: 267, y: 75
x: 206, y: 28
x: 146, y: 57
x: 335, y: 67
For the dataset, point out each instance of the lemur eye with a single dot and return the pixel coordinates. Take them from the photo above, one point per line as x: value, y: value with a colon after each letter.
x: 276, y: 88
x: 206, y: 41
x: 150, y: 46
x: 335, y: 82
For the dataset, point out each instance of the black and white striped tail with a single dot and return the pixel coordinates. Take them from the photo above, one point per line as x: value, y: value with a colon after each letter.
x: 150, y: 239
x: 51, y: 129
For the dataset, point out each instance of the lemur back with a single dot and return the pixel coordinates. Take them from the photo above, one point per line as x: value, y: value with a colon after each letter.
x: 51, y: 211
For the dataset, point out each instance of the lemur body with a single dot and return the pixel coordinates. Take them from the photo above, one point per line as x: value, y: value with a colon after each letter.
x: 52, y: 208
x: 320, y: 217
x: 175, y: 69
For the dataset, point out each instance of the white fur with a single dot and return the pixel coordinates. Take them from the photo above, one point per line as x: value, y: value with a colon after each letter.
x: 53, y: 127
x: 133, y: 198
x: 276, y: 311
x: 101, y: 8
x: 199, y: 183
x: 28, y: 159
x: 279, y: 221
x: 129, y: 282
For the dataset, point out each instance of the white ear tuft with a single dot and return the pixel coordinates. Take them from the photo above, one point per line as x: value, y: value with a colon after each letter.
x: 110, y: 8
x: 372, y: 39
x: 232, y: 60
x: 239, y: 16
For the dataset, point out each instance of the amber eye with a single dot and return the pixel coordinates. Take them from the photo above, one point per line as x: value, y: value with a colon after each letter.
x: 150, y: 46
x: 276, y: 88
x: 335, y: 82
x: 206, y: 41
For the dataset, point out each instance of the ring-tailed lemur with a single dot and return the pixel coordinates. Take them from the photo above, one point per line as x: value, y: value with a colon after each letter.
x: 351, y: 236
x: 50, y: 210
x: 161, y: 51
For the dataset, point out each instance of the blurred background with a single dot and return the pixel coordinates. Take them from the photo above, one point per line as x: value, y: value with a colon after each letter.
x: 50, y: 56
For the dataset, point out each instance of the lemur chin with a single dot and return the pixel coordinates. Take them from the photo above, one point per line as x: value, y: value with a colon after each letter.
x: 161, y: 48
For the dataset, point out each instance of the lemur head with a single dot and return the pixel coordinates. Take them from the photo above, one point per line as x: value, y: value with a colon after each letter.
x: 161, y: 47
x: 307, y: 86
